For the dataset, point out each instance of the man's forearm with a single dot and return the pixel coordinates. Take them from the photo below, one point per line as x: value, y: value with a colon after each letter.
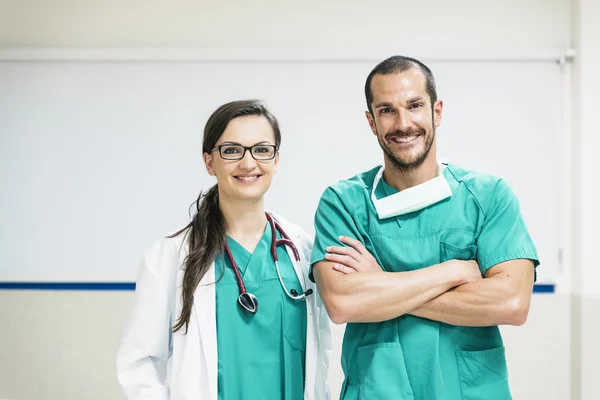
x: 380, y: 296
x: 488, y: 302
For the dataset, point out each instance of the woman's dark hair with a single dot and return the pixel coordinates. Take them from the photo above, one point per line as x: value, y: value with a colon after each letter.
x: 207, y: 230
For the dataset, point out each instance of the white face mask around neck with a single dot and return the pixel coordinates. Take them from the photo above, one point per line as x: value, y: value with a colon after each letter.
x: 412, y: 199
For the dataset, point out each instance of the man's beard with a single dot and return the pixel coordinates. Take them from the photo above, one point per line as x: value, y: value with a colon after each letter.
x: 399, y: 164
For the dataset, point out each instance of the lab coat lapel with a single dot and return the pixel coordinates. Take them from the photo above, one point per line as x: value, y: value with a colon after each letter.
x: 312, y: 313
x: 294, y: 234
x: 206, y: 320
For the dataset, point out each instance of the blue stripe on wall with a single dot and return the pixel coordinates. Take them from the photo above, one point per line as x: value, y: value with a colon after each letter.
x: 108, y: 286
x: 130, y: 286
x: 543, y: 289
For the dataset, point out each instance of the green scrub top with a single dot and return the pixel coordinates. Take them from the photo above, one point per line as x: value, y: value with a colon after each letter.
x: 409, y: 357
x: 261, y: 356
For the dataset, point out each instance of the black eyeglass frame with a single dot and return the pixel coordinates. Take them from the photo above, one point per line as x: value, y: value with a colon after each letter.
x: 246, y: 148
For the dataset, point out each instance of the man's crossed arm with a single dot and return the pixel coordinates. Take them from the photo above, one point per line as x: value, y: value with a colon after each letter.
x: 354, y: 288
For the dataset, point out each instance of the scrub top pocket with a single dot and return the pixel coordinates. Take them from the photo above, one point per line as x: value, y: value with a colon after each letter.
x: 483, y: 374
x: 293, y: 320
x: 451, y: 252
x: 382, y: 372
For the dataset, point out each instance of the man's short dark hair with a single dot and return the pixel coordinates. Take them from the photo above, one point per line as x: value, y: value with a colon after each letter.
x: 396, y: 65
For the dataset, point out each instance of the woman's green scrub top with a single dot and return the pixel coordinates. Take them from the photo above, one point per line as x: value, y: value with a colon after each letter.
x: 409, y: 357
x: 260, y: 356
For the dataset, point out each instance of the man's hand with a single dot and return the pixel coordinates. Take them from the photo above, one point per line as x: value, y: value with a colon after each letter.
x: 352, y: 258
x: 469, y: 269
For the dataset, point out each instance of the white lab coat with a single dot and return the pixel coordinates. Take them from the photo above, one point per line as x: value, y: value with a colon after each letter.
x: 154, y: 363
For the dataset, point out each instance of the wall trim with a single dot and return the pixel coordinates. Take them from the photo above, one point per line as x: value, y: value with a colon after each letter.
x: 69, y: 286
x: 130, y: 286
x: 139, y: 54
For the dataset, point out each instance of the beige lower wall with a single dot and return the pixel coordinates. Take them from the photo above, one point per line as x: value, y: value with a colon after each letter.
x: 62, y: 345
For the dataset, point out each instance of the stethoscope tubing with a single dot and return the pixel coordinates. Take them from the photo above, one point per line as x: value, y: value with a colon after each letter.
x: 247, y: 300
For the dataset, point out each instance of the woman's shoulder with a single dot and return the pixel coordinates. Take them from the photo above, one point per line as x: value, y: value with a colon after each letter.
x: 166, y: 254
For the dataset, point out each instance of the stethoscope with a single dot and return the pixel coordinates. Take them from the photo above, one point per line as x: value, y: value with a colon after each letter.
x: 247, y: 300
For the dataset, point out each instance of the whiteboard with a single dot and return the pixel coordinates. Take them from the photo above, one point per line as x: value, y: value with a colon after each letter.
x: 99, y: 159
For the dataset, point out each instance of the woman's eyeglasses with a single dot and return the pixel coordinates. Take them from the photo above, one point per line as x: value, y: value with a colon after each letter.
x: 259, y: 152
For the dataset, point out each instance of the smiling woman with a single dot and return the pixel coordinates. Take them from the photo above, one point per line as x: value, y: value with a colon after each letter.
x: 226, y: 158
x: 216, y: 266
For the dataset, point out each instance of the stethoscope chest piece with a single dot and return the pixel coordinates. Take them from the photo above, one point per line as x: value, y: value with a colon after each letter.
x: 249, y: 302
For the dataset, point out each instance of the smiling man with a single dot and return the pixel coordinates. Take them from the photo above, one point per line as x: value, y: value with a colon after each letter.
x: 432, y: 257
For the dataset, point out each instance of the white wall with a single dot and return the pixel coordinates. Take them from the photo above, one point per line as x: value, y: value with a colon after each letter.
x: 61, y: 345
x: 507, y: 26
x: 585, y: 324
x: 144, y: 118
